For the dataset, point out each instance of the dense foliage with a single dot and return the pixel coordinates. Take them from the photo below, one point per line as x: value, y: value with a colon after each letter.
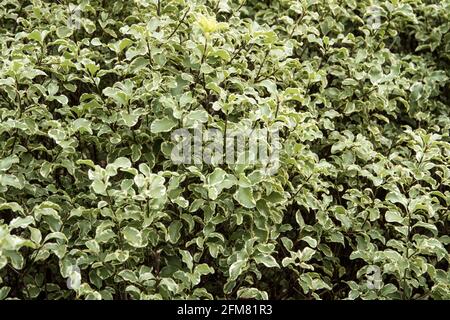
x: 93, y: 207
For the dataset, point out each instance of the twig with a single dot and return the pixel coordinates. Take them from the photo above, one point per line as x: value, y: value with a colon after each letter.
x: 299, y: 19
x: 179, y: 24
x: 204, y: 51
x: 158, y: 8
x: 240, y: 6
x: 261, y: 65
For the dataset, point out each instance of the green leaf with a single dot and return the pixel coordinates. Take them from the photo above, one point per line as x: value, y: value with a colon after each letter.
x: 187, y: 258
x: 128, y: 275
x: 6, y: 163
x: 4, y: 291
x: 397, y: 197
x: 174, y: 231
x: 93, y: 246
x: 99, y: 187
x: 266, y: 260
x: 132, y: 236
x: 82, y: 125
x: 236, y: 269
x: 130, y: 120
x: 13, y: 206
x: 393, y: 216
x: 203, y: 269
x: 217, y: 177
x: 89, y: 163
x: 162, y: 125
x: 416, y: 91
x: 138, y: 64
x: 135, y: 152
x: 37, y: 36
x: 122, y: 162
x: 156, y: 188
x: 10, y: 180
x: 195, y: 117
x: 21, y: 222
x: 36, y: 235
x: 245, y: 197
x: 252, y: 293
x: 64, y: 32
x: 46, y: 169
x: 312, y: 242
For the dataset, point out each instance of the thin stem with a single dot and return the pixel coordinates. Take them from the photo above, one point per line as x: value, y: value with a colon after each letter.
x: 158, y: 8
x: 241, y: 47
x: 225, y: 135
x: 149, y: 52
x: 299, y: 19
x: 16, y: 132
x: 178, y: 25
x: 204, y: 50
x: 14, y: 142
x: 240, y: 6
x: 261, y: 65
x: 408, y: 236
x: 278, y: 108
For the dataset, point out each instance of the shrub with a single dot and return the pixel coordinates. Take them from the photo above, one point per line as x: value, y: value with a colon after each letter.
x: 94, y: 206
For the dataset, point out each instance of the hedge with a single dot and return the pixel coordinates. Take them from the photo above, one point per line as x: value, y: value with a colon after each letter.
x: 93, y: 205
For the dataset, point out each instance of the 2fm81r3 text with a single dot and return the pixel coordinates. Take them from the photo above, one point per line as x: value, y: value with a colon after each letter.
x: 233, y: 309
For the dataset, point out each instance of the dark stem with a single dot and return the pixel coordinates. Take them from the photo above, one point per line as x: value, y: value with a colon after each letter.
x: 158, y: 8
x: 204, y: 51
x: 178, y: 25
x: 261, y: 65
